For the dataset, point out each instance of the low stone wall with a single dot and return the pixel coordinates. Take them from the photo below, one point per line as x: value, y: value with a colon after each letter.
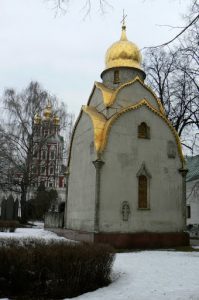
x: 54, y: 220
x: 79, y: 236
x: 141, y: 240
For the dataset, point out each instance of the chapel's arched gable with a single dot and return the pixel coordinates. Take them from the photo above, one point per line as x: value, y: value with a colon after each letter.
x: 136, y: 163
x: 131, y: 94
x: 125, y: 95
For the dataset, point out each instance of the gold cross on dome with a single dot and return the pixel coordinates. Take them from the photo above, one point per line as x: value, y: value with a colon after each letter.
x: 123, y: 19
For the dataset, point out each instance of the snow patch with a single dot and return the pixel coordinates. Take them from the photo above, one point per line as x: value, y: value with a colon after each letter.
x: 144, y: 275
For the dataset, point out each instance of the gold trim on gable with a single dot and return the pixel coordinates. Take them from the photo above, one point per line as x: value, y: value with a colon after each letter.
x: 110, y: 122
x: 102, y: 126
x: 106, y: 93
x: 99, y: 122
x: 109, y: 95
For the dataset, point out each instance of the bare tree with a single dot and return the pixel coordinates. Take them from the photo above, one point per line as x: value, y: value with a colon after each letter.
x: 17, y: 146
x: 169, y: 74
x: 173, y: 72
x: 86, y: 6
x: 192, y: 19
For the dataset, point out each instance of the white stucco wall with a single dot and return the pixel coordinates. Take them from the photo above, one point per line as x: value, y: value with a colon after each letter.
x: 96, y: 98
x: 123, y: 158
x: 133, y: 93
x: 81, y: 188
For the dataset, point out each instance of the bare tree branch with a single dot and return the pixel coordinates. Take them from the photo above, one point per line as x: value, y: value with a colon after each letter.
x: 176, y: 36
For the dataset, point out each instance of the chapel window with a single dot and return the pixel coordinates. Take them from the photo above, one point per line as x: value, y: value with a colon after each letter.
x: 143, y: 131
x: 51, y: 170
x: 116, y: 77
x: 188, y: 211
x: 142, y: 192
x: 171, y: 149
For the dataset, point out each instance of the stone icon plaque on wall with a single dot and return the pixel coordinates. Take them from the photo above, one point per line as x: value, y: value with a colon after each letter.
x: 125, y: 210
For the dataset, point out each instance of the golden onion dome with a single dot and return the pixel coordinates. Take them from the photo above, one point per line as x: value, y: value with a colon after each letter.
x: 48, y: 111
x: 37, y: 119
x: 123, y: 53
x: 56, y: 120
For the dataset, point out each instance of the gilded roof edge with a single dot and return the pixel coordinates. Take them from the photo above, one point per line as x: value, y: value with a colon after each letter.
x: 110, y: 122
x: 99, y: 122
x: 109, y: 95
x: 106, y: 93
x: 102, y: 126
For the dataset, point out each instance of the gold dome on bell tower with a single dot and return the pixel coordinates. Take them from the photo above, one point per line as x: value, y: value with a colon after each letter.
x: 123, y: 53
x: 48, y: 111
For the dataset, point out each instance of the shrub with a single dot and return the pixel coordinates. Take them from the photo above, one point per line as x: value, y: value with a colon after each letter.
x: 8, y: 226
x: 55, y: 270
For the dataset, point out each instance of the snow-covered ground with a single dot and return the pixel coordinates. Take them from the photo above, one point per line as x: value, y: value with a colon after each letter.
x: 143, y: 275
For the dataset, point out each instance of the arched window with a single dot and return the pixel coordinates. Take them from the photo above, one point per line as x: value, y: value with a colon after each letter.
x: 144, y: 178
x: 143, y: 131
x: 142, y: 192
x: 171, y: 149
x: 116, y: 76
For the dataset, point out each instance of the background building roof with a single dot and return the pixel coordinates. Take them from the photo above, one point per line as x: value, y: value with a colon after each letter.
x: 193, y: 167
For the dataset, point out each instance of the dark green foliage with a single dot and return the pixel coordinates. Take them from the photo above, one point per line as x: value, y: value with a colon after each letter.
x: 8, y: 226
x: 36, y: 208
x: 54, y: 270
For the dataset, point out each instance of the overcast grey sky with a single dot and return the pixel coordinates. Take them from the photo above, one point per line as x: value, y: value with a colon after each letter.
x: 66, y: 54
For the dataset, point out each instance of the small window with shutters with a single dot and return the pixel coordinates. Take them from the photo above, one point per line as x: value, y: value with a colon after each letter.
x: 142, y: 192
x: 143, y: 131
x: 116, y: 77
